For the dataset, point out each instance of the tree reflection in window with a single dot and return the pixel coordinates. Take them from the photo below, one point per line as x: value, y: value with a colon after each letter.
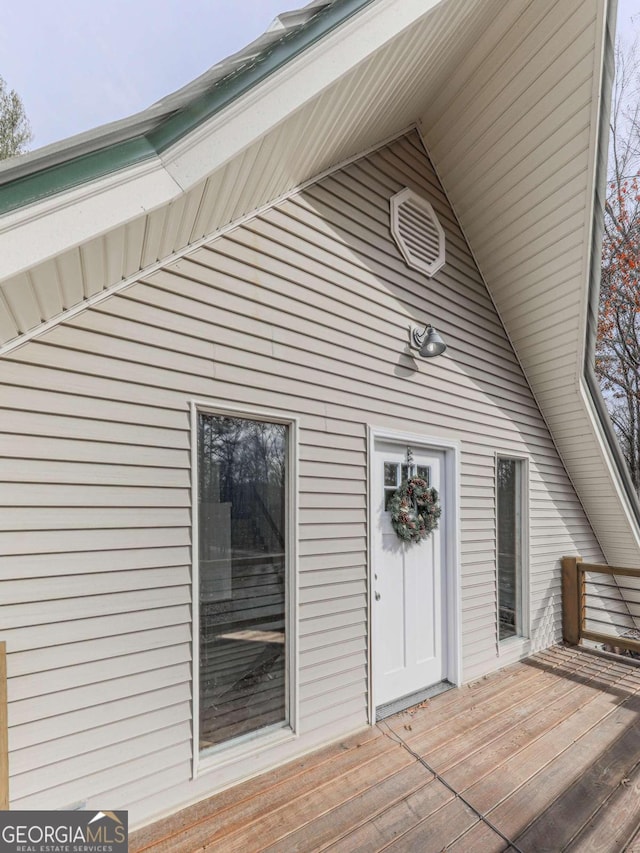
x: 242, y: 559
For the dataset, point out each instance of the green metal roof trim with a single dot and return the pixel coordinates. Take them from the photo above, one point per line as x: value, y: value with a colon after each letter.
x: 72, y: 173
x: 47, y: 181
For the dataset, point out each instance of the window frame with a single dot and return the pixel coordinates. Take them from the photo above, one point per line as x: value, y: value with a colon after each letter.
x: 249, y: 743
x: 522, y: 638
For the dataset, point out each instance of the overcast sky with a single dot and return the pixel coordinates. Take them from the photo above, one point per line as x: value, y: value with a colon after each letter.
x: 77, y: 64
x: 628, y: 19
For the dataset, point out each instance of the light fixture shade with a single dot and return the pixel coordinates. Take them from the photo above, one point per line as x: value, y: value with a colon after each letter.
x: 428, y: 343
x: 433, y: 344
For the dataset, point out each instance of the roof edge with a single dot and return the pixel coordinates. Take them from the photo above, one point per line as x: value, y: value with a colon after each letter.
x: 592, y: 386
x: 151, y: 132
x: 31, y: 334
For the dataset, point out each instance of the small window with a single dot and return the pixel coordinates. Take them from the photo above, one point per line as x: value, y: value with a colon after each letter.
x: 395, y: 474
x: 391, y: 482
x: 510, y: 505
x: 417, y: 231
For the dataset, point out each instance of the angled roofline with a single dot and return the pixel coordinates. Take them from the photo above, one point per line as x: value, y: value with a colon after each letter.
x: 117, y: 173
x: 592, y: 386
x: 147, y: 134
x: 144, y: 136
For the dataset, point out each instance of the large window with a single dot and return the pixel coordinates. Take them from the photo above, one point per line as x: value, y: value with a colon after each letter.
x: 510, y: 480
x: 242, y: 568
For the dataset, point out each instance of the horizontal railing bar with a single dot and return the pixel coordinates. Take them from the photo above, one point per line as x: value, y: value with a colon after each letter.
x: 598, y: 568
x: 624, y: 589
x: 592, y: 613
x: 610, y: 602
x: 604, y: 589
x: 603, y: 597
x: 598, y: 616
x: 609, y: 624
x: 595, y: 587
x: 611, y: 640
x: 613, y: 613
x: 611, y: 630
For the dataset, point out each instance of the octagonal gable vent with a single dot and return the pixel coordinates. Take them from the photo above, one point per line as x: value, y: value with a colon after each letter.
x: 417, y: 231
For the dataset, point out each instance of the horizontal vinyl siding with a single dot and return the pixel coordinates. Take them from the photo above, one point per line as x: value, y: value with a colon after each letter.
x: 304, y: 310
x: 513, y: 136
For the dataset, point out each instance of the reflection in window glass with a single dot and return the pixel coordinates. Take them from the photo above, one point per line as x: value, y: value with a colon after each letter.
x: 242, y: 559
x: 390, y: 482
x: 509, y: 529
x: 390, y: 474
x: 425, y: 472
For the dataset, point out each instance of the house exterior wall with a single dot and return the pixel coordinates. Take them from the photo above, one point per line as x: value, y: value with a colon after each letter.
x: 302, y: 311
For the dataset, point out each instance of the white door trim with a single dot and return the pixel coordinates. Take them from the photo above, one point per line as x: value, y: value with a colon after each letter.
x: 451, y: 450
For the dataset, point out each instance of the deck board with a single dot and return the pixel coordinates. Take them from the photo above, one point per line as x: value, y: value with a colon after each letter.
x: 300, y: 810
x: 560, y: 718
x: 396, y: 820
x: 231, y: 825
x: 591, y: 721
x: 330, y: 827
x: 547, y: 752
x: 438, y: 830
x: 473, y: 732
x: 479, y: 839
x: 616, y: 821
x: 555, y: 827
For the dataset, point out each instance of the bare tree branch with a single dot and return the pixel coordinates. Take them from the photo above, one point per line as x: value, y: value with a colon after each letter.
x: 618, y: 340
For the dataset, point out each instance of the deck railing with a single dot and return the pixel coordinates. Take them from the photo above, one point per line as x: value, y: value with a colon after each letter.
x: 599, y: 605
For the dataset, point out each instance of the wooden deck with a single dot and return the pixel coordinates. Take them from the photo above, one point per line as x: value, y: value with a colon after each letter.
x: 542, y: 756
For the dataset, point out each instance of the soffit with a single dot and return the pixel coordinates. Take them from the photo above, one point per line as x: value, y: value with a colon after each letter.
x: 513, y: 135
x: 379, y: 96
x: 504, y: 98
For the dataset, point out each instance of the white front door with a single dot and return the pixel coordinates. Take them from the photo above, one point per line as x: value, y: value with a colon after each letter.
x: 409, y: 584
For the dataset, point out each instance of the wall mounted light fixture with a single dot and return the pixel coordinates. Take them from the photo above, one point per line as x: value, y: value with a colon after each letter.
x: 428, y: 342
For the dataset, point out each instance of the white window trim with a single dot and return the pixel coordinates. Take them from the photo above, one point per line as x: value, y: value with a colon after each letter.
x: 411, y: 259
x: 451, y: 451
x: 514, y: 648
x: 252, y: 742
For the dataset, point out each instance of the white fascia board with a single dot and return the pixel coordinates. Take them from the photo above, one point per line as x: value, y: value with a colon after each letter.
x: 593, y: 155
x: 301, y: 80
x: 33, y: 234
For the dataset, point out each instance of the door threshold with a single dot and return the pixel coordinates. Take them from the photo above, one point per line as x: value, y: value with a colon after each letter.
x: 404, y: 702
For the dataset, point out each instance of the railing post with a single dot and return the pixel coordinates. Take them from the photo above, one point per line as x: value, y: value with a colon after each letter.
x: 572, y: 600
x: 4, y: 729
